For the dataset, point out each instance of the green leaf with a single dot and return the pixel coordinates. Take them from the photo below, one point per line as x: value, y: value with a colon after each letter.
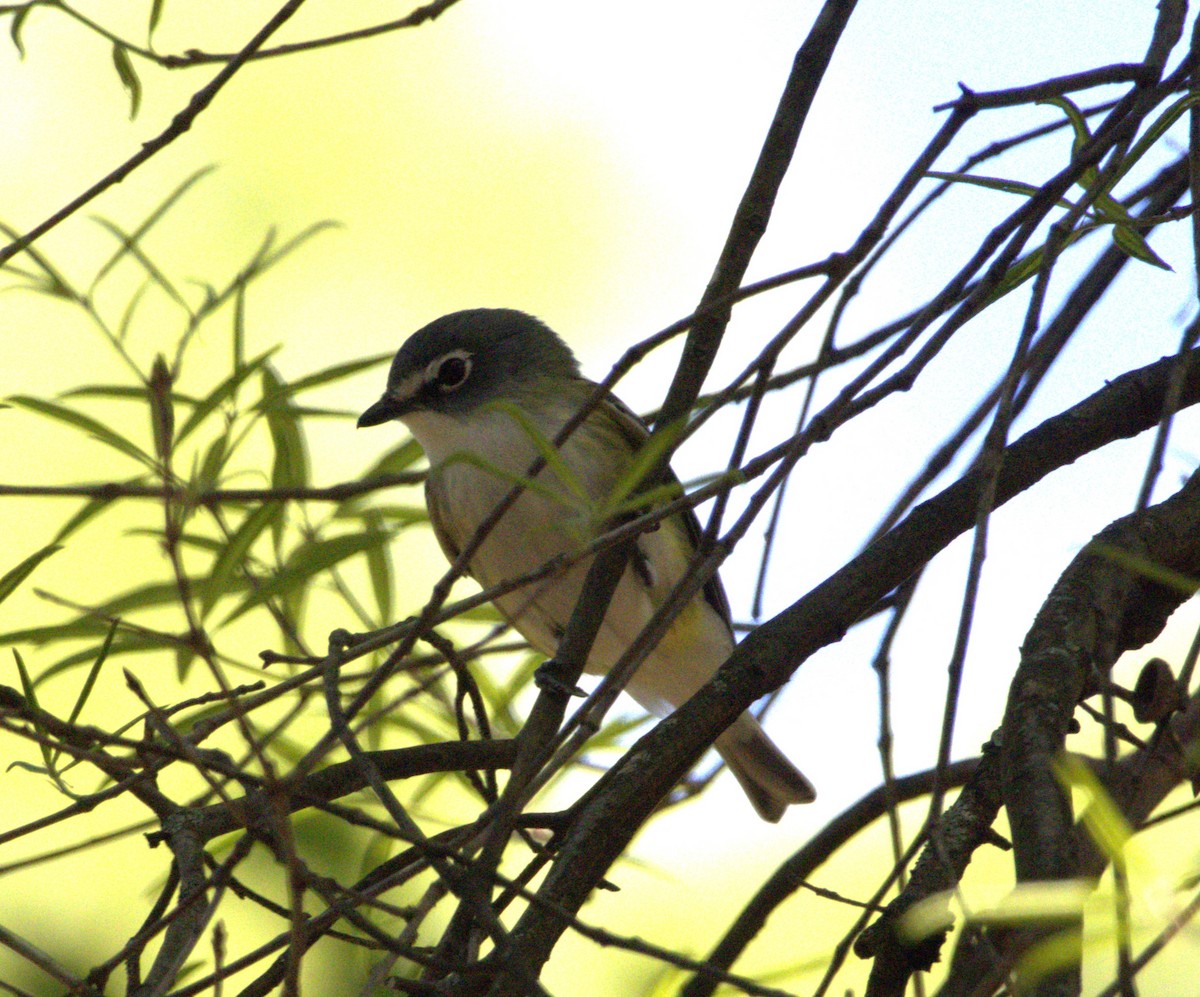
x: 83, y: 627
x: 130, y: 309
x: 1133, y: 244
x: 1158, y: 573
x: 27, y: 687
x: 233, y: 554
x: 239, y: 325
x: 546, y: 450
x: 399, y: 458
x: 126, y: 643
x: 18, y: 22
x: 1079, y: 123
x: 1082, y: 135
x: 400, y: 516
x: 130, y: 245
x: 93, y: 427
x: 156, y: 12
x: 311, y: 411
x: 1156, y: 130
x: 221, y: 394
x: 147, y: 596
x: 334, y: 373
x: 991, y: 183
x: 52, y: 282
x: 128, y: 392
x: 209, y: 473
x: 483, y: 613
x: 151, y: 220
x: 93, y: 673
x: 184, y: 656
x: 1102, y: 817
x: 86, y: 512
x: 379, y: 568
x: 162, y: 412
x: 290, y: 467
x: 306, y: 562
x: 644, y: 462
x: 13, y: 578
x: 129, y: 78
x: 28, y: 767
x: 1028, y: 265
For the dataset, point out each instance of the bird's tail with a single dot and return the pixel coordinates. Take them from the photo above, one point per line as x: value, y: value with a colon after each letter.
x: 770, y: 781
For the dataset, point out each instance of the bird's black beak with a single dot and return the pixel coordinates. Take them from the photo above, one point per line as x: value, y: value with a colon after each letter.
x: 384, y: 410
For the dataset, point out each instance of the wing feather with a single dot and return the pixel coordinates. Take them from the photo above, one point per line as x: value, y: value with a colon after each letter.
x: 635, y: 434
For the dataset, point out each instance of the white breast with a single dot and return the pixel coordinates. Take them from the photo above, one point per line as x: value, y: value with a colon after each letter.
x: 474, y: 462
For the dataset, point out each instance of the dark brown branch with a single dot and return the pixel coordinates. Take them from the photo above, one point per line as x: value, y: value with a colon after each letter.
x: 795, y: 872
x: 193, y: 57
x: 603, y: 827
x: 754, y: 211
x: 1125, y: 72
x: 111, y: 490
x: 343, y: 778
x: 1106, y: 602
x: 965, y: 825
x: 1137, y: 784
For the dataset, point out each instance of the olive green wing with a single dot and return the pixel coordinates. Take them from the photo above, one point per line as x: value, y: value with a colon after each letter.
x: 635, y: 434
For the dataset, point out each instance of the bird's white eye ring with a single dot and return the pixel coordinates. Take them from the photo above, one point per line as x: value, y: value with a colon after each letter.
x: 450, y: 372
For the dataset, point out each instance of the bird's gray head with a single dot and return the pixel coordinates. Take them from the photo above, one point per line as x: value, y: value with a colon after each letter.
x: 468, y: 358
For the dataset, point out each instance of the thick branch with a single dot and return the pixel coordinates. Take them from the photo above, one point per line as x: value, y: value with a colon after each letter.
x: 1123, y: 408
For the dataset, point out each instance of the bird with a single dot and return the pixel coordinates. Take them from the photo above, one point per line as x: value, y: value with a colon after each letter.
x: 482, y: 391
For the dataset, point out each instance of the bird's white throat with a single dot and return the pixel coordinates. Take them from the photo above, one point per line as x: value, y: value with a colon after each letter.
x: 490, y: 431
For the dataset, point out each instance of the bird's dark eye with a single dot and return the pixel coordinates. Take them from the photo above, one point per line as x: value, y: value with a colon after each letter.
x: 452, y: 372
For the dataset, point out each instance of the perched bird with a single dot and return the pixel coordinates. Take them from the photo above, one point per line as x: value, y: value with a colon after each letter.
x: 478, y: 389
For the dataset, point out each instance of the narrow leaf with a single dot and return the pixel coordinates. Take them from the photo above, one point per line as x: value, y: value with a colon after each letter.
x: 156, y: 12
x: 1156, y: 130
x: 86, y: 512
x: 151, y: 220
x: 130, y: 245
x: 209, y: 472
x: 239, y: 325
x: 162, y: 412
x: 127, y: 643
x: 643, y: 462
x: 83, y: 627
x: 93, y: 673
x: 126, y: 392
x: 1078, y: 122
x: 93, y: 427
x: 306, y: 562
x: 290, y: 467
x: 233, y: 554
x: 13, y: 578
x: 129, y: 78
x: 1102, y: 817
x: 399, y: 458
x: 1131, y: 242
x: 27, y: 687
x: 379, y: 568
x: 991, y: 183
x: 18, y: 22
x: 546, y: 450
x: 334, y: 373
x: 222, y: 393
x: 148, y: 596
